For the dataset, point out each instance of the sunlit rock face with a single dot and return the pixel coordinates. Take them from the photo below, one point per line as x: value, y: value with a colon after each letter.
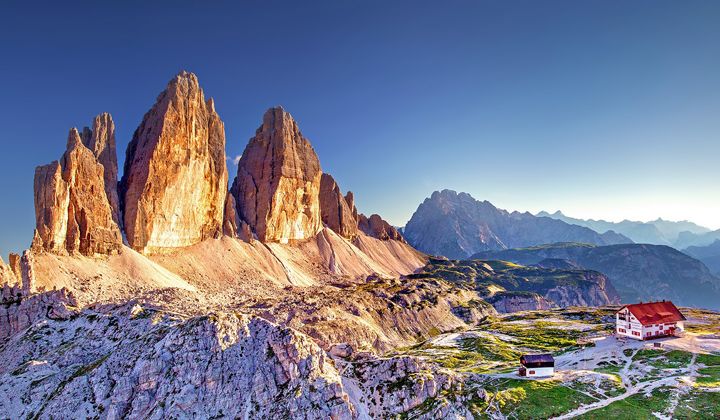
x: 175, y: 179
x: 277, y: 187
x: 336, y: 212
x: 72, y: 209
x: 7, y: 276
x: 101, y: 141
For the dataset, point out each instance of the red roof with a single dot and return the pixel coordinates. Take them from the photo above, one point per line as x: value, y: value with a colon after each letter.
x: 655, y: 312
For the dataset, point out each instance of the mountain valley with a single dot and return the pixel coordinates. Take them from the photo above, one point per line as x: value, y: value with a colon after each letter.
x: 172, y: 291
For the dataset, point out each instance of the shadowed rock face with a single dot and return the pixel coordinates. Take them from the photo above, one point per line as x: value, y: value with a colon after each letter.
x: 376, y: 227
x: 639, y: 271
x: 507, y: 302
x: 277, y: 187
x: 72, y: 209
x: 337, y: 213
x: 232, y: 225
x: 456, y: 225
x: 175, y: 179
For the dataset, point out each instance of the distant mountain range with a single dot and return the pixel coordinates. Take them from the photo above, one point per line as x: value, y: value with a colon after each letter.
x: 637, y: 271
x: 709, y: 255
x: 658, y: 232
x: 456, y: 225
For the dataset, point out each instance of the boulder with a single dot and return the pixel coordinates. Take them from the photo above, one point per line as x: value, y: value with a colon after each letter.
x: 175, y: 179
x: 277, y: 187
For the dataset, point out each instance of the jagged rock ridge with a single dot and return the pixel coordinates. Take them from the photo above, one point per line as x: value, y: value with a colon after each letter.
x: 73, y: 204
x: 377, y: 227
x: 511, y: 287
x: 174, y: 183
x: 456, y: 225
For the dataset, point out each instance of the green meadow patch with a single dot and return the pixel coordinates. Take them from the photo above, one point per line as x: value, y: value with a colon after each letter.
x: 698, y: 406
x: 638, y: 406
x: 538, y: 399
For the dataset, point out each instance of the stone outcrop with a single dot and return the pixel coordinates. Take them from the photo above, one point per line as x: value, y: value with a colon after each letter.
x: 175, y: 177
x: 507, y: 302
x: 101, y: 141
x: 232, y: 225
x: 337, y: 213
x: 277, y: 187
x: 14, y: 263
x: 72, y: 209
x: 7, y: 276
x: 378, y: 228
x: 404, y: 385
x: 215, y: 366
x: 27, y: 273
x: 19, y: 310
x: 19, y: 280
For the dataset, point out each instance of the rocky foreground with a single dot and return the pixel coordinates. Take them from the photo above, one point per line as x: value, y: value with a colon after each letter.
x: 167, y: 294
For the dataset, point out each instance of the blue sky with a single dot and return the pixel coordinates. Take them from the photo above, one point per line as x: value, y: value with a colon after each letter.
x: 603, y: 109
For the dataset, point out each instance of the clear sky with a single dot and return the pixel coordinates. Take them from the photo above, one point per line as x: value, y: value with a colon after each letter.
x: 603, y: 109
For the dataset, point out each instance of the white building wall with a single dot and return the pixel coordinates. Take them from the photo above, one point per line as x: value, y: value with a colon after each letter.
x: 628, y: 327
x: 543, y: 371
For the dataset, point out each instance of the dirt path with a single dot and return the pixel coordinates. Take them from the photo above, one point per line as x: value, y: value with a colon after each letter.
x: 683, y: 381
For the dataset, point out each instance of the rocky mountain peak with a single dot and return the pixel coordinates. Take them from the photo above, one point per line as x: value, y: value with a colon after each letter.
x: 457, y: 226
x: 277, y: 188
x: 175, y: 180
x: 73, y: 208
x: 100, y: 139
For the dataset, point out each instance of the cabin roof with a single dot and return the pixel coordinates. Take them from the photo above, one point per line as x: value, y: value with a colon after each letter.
x: 655, y: 312
x: 537, y: 358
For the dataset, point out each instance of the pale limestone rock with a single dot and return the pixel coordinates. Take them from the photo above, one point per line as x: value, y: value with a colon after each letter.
x: 27, y: 275
x: 508, y: 302
x: 350, y: 200
x: 278, y: 182
x: 336, y: 212
x: 52, y: 197
x: 115, y: 365
x: 21, y: 310
x: 397, y: 385
x: 7, y: 276
x: 342, y: 350
x: 231, y: 221
x: 233, y: 226
x: 175, y: 180
x: 72, y: 209
x: 101, y: 141
x: 378, y: 228
x: 14, y: 262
